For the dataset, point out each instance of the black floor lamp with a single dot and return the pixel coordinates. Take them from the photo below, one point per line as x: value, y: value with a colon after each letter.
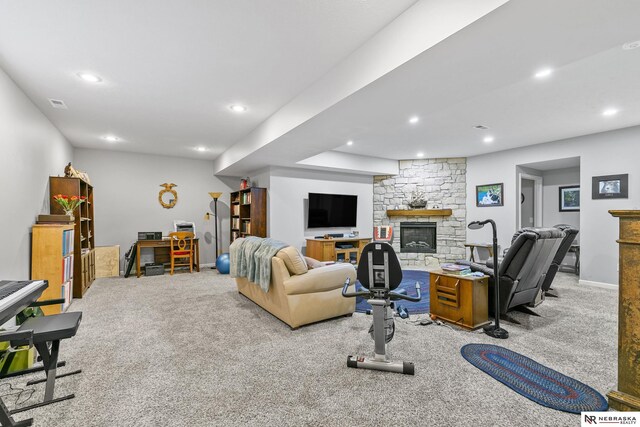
x: 215, y: 197
x: 493, y: 330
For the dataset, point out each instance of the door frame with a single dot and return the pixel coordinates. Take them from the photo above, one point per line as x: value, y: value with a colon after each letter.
x: 537, y: 201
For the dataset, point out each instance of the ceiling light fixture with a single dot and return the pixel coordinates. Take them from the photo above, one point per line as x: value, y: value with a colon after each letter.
x: 546, y: 72
x: 610, y: 112
x: 413, y: 120
x: 421, y: 154
x: 631, y: 45
x: 111, y: 138
x: 236, y: 108
x: 481, y: 127
x: 88, y: 77
x: 488, y: 139
x: 201, y: 149
x: 349, y: 142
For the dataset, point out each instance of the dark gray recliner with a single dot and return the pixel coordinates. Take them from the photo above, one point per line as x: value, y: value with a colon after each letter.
x: 570, y: 234
x: 524, y: 267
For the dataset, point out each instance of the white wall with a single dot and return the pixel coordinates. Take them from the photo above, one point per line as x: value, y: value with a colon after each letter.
x: 552, y: 181
x: 605, y: 153
x: 126, y: 187
x: 32, y: 150
x: 288, y: 192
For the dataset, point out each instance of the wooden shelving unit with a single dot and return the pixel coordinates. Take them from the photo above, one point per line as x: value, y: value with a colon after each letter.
x: 84, y: 269
x: 52, y: 260
x: 248, y: 213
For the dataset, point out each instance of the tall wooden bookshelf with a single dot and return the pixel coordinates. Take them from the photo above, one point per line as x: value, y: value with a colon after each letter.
x: 248, y: 213
x: 84, y: 269
x: 52, y: 260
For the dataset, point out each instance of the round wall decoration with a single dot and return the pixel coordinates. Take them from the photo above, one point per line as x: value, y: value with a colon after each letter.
x: 168, y: 197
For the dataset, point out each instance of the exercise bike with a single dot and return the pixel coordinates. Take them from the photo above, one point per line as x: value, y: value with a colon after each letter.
x: 379, y: 272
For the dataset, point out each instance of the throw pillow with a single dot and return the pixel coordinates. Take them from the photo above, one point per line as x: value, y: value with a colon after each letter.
x: 294, y: 260
x: 313, y: 263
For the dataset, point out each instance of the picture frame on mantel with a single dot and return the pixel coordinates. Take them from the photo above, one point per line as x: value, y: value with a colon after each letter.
x: 610, y: 187
x: 489, y: 195
x: 569, y: 198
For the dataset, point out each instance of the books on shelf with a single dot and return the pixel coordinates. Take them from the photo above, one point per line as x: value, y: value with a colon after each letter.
x: 67, y: 242
x: 235, y: 223
x: 451, y: 268
x: 245, y: 198
x: 235, y: 210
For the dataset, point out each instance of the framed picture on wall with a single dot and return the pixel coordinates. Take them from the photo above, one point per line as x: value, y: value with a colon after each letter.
x: 569, y: 198
x: 610, y: 187
x: 489, y: 195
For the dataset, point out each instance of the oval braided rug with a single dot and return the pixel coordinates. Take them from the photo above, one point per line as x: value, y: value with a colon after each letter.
x: 532, y: 380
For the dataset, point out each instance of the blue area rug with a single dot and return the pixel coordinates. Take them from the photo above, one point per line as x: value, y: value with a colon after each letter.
x: 409, y: 279
x: 534, y: 381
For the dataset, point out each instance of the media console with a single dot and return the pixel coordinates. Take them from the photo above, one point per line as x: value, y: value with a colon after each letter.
x: 336, y: 249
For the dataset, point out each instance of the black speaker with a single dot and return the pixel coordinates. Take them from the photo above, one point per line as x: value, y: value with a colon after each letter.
x: 149, y: 235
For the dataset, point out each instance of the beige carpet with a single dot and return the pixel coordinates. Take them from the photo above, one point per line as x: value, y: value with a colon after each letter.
x: 188, y: 350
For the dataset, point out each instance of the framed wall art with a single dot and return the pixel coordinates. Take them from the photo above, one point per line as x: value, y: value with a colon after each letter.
x: 489, y: 195
x: 610, y: 187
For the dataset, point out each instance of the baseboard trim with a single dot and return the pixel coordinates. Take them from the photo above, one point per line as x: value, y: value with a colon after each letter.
x: 598, y: 284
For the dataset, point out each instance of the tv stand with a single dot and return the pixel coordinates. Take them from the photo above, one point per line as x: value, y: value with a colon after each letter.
x: 329, y: 250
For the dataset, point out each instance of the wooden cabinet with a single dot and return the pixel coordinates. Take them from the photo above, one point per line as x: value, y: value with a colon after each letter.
x: 462, y: 300
x: 626, y: 397
x: 336, y: 249
x: 84, y: 256
x: 248, y: 213
x: 52, y: 256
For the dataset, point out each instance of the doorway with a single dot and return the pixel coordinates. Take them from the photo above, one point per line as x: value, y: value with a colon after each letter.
x: 527, y: 202
x: 530, y: 206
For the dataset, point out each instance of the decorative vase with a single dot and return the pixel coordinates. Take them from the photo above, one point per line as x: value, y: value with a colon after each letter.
x: 69, y: 213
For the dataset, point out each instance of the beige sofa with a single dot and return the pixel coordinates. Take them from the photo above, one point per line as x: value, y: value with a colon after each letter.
x: 299, y: 296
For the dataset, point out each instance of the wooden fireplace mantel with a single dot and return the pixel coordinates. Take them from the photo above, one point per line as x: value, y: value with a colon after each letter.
x: 420, y: 212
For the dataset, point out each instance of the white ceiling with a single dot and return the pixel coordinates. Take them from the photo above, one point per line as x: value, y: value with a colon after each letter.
x: 170, y: 72
x: 171, y: 68
x: 483, y: 74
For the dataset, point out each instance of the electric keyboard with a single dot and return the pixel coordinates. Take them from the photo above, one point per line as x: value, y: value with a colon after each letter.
x: 15, y: 296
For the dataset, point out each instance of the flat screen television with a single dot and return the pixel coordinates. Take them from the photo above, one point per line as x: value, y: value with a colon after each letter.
x: 332, y: 210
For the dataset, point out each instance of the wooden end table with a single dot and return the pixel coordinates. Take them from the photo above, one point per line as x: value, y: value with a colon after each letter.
x: 462, y: 300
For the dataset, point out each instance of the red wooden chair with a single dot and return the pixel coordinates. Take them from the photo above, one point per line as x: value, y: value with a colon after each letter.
x: 181, y: 249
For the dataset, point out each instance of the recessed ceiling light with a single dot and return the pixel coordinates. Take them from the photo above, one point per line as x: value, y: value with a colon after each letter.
x: 421, y: 154
x: 237, y: 108
x: 610, y: 112
x: 545, y: 72
x: 631, y: 45
x: 488, y: 139
x: 349, y: 142
x: 88, y: 77
x: 413, y: 120
x: 201, y: 149
x: 111, y: 138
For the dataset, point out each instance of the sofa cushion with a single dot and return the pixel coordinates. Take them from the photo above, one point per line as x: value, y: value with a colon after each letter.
x: 313, y: 263
x: 329, y: 278
x: 293, y: 259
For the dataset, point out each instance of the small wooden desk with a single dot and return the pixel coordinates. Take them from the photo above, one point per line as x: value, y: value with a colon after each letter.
x: 163, y: 255
x: 484, y: 247
x: 462, y: 300
x: 326, y: 250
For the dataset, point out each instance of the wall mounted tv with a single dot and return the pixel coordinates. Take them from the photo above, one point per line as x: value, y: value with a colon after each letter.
x: 332, y: 210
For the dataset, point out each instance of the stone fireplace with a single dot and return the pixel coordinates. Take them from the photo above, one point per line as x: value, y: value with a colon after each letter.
x: 444, y: 183
x: 418, y: 237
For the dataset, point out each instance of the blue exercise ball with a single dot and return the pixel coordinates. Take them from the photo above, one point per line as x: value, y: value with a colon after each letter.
x: 223, y: 264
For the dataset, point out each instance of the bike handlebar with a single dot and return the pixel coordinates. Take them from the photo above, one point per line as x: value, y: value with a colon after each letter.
x: 353, y: 294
